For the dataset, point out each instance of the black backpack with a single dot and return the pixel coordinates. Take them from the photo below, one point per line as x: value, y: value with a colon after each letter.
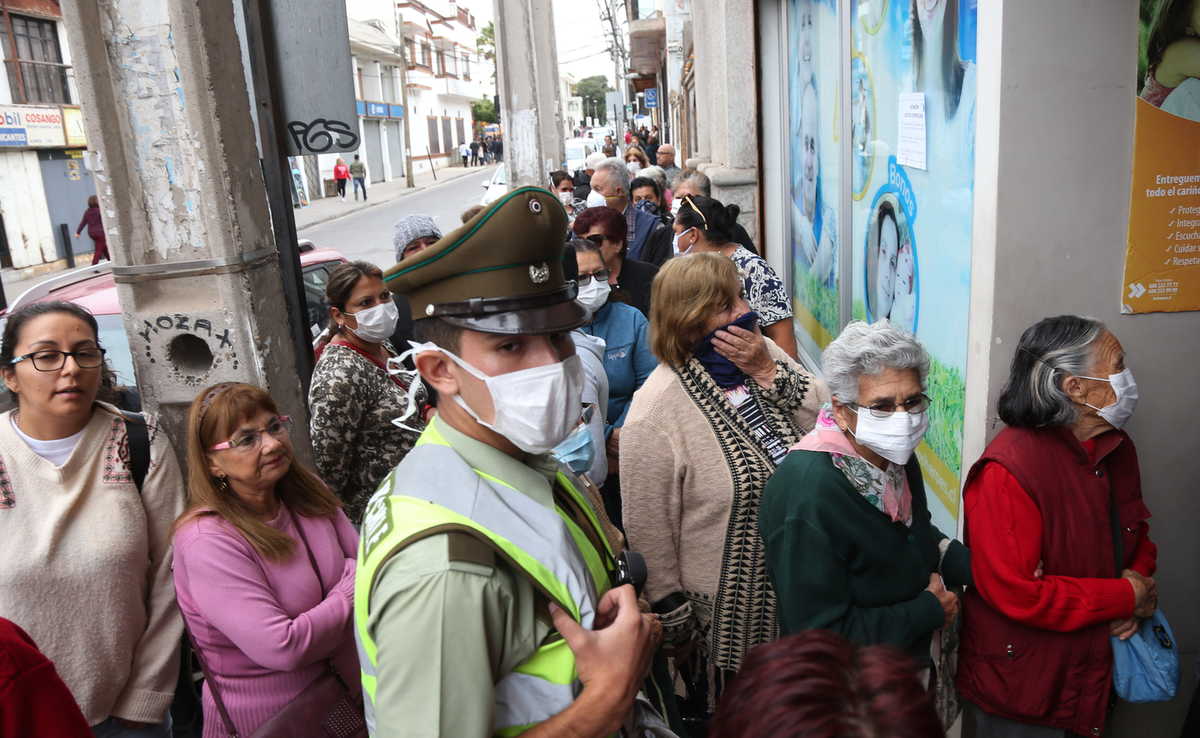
x: 139, y: 446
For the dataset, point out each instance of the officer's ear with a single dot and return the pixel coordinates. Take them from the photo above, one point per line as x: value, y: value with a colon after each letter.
x: 435, y: 369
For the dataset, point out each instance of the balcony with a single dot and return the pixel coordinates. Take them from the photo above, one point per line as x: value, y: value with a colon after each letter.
x: 43, y: 82
x: 647, y: 39
x: 456, y: 87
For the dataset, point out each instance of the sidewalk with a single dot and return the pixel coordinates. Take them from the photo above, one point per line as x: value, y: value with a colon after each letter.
x: 329, y: 208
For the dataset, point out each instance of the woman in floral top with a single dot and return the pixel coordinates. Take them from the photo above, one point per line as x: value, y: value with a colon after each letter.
x: 354, y: 397
x: 704, y: 225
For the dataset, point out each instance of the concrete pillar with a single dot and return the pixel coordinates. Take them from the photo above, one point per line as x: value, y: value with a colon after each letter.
x: 184, y: 201
x: 527, y: 77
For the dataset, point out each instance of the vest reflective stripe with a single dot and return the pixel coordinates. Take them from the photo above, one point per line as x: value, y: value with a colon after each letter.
x: 433, y: 490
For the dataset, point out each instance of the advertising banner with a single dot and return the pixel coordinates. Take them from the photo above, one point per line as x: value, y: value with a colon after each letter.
x: 26, y: 126
x: 73, y: 122
x: 912, y: 113
x: 1162, y: 257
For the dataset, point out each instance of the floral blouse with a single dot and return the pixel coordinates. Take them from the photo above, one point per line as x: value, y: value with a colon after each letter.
x: 353, y: 401
x: 764, y: 289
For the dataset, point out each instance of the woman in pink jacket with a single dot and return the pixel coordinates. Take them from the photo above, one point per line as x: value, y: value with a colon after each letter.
x: 264, y: 564
x: 341, y: 175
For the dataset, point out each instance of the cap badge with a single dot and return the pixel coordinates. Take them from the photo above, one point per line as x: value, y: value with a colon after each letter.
x: 539, y: 273
x: 535, y: 207
x: 429, y: 310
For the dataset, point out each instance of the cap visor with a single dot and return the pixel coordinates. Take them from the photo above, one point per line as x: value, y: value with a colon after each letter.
x: 556, y: 318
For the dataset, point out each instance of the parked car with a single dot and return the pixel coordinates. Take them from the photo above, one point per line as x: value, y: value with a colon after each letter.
x: 495, y: 186
x: 93, y: 288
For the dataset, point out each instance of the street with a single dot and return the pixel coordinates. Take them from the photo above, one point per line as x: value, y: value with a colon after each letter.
x: 367, y: 234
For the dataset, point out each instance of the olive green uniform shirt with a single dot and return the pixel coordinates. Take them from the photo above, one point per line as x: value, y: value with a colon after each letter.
x: 447, y: 631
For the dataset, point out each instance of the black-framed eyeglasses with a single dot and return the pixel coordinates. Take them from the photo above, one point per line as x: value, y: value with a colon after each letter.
x: 585, y: 279
x: 913, y: 405
x: 51, y: 360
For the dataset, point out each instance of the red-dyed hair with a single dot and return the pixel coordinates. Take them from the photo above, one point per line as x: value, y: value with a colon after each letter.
x: 610, y: 221
x: 817, y: 684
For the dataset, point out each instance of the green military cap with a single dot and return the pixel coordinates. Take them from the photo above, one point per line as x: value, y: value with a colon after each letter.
x: 501, y: 272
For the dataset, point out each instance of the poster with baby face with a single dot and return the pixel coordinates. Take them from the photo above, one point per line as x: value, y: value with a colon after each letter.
x: 911, y: 228
x: 815, y: 177
x: 1162, y: 258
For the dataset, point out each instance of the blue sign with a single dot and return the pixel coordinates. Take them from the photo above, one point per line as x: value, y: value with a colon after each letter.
x: 651, y: 97
x: 377, y: 110
x: 360, y: 107
x: 395, y: 111
x: 13, y: 137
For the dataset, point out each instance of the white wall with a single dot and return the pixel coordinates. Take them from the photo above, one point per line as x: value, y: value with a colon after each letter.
x: 23, y: 205
x: 1055, y: 145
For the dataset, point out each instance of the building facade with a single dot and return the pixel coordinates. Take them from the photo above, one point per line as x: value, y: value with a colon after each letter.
x: 44, y: 175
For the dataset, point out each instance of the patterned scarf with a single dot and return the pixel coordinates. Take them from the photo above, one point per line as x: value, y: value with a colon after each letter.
x: 886, y: 489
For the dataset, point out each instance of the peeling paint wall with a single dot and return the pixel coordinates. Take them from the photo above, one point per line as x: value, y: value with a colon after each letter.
x: 23, y: 205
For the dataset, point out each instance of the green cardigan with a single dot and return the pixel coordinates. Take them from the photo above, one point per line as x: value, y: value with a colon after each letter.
x: 837, y: 563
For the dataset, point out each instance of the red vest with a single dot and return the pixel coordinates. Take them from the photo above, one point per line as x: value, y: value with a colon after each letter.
x: 1016, y: 671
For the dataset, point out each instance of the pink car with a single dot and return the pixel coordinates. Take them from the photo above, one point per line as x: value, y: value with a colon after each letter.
x: 93, y: 288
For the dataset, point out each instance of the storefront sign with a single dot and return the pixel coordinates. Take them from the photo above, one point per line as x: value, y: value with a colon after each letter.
x: 73, y: 123
x: 25, y: 126
x: 1162, y: 258
x: 377, y: 110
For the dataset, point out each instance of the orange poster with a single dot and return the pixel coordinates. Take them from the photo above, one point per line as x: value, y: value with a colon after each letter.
x: 1162, y: 261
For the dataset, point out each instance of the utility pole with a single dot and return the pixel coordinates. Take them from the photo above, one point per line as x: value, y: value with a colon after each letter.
x: 408, y: 168
x: 181, y: 184
x: 527, y: 76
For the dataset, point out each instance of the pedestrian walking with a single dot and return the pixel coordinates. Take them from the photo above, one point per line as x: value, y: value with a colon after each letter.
x: 354, y: 396
x: 464, y: 151
x: 341, y: 173
x: 475, y: 153
x: 95, y: 229
x: 1060, y: 547
x: 497, y: 149
x: 358, y: 171
x: 86, y: 506
x: 703, y: 436
x: 469, y: 538
x: 264, y: 572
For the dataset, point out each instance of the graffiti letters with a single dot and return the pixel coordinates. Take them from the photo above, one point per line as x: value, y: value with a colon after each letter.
x: 321, y: 135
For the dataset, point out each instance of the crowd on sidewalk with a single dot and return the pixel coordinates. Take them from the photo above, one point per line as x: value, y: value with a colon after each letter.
x: 570, y: 478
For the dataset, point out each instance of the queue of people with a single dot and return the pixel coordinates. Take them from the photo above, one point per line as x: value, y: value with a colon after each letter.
x: 582, y: 468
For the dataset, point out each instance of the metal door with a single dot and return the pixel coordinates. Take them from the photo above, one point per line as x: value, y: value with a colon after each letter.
x: 67, y: 184
x: 395, y: 148
x: 374, y: 150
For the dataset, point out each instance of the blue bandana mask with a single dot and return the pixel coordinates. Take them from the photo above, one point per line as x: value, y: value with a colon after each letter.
x: 723, y: 371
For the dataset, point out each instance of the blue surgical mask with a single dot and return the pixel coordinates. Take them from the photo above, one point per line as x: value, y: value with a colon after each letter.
x: 577, y: 451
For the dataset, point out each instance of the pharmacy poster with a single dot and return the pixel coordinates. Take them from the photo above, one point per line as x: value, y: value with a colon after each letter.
x: 1162, y: 258
x: 912, y: 149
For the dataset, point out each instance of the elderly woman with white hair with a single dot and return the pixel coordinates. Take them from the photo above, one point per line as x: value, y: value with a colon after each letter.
x: 849, y: 542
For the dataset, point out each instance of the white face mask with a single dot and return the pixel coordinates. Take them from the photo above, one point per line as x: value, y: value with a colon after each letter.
x: 894, y: 437
x: 596, y: 200
x: 675, y: 243
x: 594, y: 294
x: 675, y: 206
x: 1118, y: 413
x: 534, y: 408
x: 566, y: 198
x: 376, y: 324
x: 633, y: 167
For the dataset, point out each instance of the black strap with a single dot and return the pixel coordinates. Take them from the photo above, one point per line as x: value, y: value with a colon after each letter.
x: 212, y: 686
x: 1115, y: 522
x: 138, y: 439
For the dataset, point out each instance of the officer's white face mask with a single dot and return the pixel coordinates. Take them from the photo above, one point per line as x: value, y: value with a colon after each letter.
x: 535, y: 409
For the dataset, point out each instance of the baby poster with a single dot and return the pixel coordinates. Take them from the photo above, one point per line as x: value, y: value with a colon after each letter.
x: 1162, y: 258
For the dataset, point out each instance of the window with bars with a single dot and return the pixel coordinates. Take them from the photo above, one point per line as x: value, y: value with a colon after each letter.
x: 426, y: 60
x: 409, y: 52
x: 33, y: 60
x: 466, y: 66
x: 434, y: 141
x: 441, y: 63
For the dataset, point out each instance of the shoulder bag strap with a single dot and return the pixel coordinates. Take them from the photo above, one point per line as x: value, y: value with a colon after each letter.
x: 212, y: 686
x: 1115, y: 522
x: 138, y: 440
x: 316, y: 570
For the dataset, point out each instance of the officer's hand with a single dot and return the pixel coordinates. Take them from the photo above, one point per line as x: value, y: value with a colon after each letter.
x: 613, y: 659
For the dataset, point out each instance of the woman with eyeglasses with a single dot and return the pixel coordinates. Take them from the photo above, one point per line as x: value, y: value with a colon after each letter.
x: 264, y: 566
x: 850, y: 546
x: 629, y: 278
x: 628, y: 360
x: 85, y: 541
x: 703, y: 225
x: 354, y: 396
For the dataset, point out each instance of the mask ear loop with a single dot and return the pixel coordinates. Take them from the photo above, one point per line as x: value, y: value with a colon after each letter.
x: 397, y: 368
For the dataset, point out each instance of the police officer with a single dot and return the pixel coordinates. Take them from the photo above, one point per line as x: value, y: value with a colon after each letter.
x: 484, y: 599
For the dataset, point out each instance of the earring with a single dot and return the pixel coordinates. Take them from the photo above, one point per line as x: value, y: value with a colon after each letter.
x: 223, y: 483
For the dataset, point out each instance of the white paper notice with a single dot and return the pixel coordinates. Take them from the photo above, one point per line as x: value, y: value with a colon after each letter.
x: 911, y: 149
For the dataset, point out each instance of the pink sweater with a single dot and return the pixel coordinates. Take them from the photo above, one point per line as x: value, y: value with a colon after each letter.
x: 263, y: 628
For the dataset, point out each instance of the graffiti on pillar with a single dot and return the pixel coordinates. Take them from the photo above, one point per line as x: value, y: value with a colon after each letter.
x: 322, y: 135
x: 190, y: 344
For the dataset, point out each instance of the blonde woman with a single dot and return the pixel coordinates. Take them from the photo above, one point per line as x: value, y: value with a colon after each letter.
x: 264, y: 567
x: 341, y: 175
x: 704, y: 434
